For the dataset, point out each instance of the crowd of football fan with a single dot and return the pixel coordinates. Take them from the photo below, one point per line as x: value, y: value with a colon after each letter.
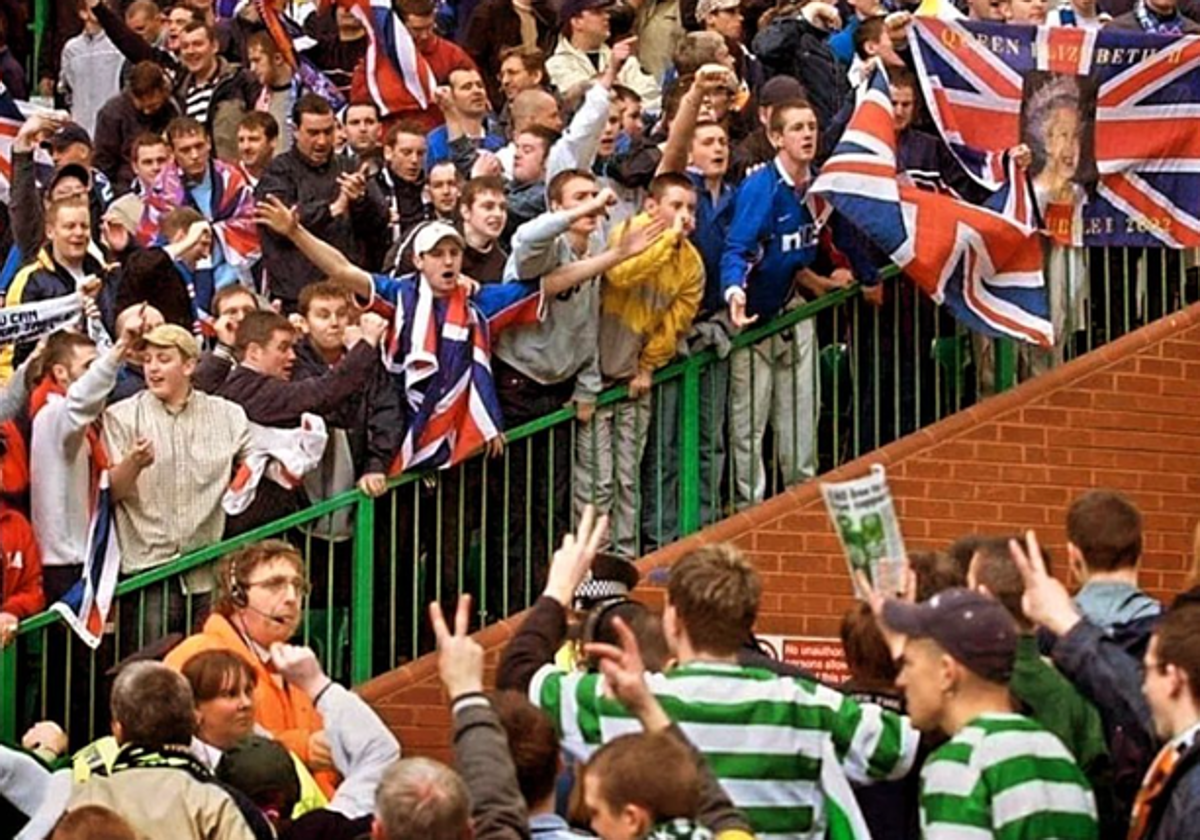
x: 584, y: 192
x: 983, y: 701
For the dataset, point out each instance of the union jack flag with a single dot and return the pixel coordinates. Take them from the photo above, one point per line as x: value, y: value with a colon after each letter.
x: 232, y: 216
x: 983, y: 263
x: 284, y: 32
x: 976, y: 77
x: 11, y: 119
x: 398, y: 76
x: 440, y: 353
x: 86, y: 605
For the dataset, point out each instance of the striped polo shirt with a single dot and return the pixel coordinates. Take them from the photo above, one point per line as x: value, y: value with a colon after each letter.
x: 1004, y: 776
x: 198, y: 99
x: 783, y: 748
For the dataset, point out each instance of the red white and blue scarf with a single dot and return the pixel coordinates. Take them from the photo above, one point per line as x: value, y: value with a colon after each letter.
x: 440, y: 353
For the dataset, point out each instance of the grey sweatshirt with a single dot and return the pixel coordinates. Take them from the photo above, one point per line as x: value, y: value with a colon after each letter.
x: 363, y: 748
x: 565, y: 344
x: 34, y: 791
x: 58, y: 446
x: 483, y: 759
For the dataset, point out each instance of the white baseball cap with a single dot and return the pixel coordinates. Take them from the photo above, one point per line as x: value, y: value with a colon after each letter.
x: 431, y: 234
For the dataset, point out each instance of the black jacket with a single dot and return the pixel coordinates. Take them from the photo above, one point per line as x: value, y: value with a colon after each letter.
x: 791, y: 46
x: 372, y: 417
x: 151, y: 276
x: 235, y: 94
x: 335, y: 57
x: 274, y: 402
x: 117, y: 125
x: 407, y: 199
x: 1111, y: 678
x: 279, y: 403
x: 47, y: 279
x: 26, y: 205
x: 295, y: 181
x: 1176, y: 811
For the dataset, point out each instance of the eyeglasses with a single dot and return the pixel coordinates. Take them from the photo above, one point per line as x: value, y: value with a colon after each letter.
x: 277, y: 585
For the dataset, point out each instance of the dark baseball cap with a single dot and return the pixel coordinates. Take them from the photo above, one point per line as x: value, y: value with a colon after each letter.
x: 779, y: 89
x: 973, y: 628
x: 68, y: 135
x: 262, y: 769
x: 153, y: 652
x: 574, y: 8
x: 70, y: 170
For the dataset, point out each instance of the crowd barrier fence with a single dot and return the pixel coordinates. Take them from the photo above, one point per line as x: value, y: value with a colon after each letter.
x: 845, y: 378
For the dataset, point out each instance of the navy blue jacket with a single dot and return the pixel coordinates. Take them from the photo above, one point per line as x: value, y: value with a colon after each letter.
x: 1111, y: 678
x: 713, y: 218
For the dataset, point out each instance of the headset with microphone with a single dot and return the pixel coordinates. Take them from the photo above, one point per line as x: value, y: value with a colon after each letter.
x: 240, y: 598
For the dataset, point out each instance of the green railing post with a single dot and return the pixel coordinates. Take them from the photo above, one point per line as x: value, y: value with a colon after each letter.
x: 363, y: 583
x: 1006, y: 364
x: 10, y: 697
x: 689, y: 448
x: 41, y: 11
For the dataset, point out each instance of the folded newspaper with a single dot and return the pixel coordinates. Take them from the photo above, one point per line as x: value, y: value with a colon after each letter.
x: 865, y: 519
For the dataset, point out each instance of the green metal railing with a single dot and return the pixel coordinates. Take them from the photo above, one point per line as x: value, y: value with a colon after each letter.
x: 38, y: 27
x: 488, y: 526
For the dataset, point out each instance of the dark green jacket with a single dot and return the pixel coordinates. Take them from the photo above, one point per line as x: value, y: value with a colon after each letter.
x: 1054, y: 702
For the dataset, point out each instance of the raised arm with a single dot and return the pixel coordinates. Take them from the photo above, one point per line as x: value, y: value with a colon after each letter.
x: 577, y: 147
x: 545, y: 629
x: 362, y: 746
x: 324, y: 394
x: 631, y: 244
x: 1102, y: 671
x: 87, y: 395
x: 134, y: 47
x: 25, y: 205
x: 284, y: 221
x: 481, y: 752
x: 683, y: 127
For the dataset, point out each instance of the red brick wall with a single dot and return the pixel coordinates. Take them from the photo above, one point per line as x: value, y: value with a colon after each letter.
x: 1123, y: 417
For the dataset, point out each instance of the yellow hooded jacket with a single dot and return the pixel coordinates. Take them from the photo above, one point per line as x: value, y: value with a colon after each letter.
x: 648, y: 302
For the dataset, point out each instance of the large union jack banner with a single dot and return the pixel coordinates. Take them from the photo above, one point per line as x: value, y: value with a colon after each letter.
x: 1113, y: 119
x: 984, y: 264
